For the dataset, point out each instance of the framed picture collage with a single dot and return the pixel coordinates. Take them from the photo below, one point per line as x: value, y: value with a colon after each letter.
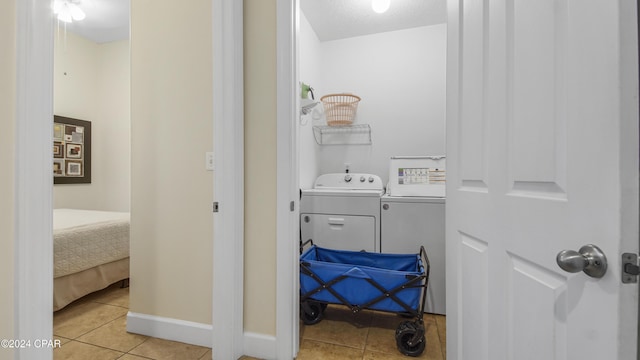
x: 71, y: 151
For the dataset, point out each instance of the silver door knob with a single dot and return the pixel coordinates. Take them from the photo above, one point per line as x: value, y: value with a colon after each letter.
x: 589, y: 259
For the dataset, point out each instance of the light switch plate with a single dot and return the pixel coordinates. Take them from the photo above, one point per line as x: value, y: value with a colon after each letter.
x: 209, y: 161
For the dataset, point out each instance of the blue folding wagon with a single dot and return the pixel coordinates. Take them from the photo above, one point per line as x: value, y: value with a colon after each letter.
x: 362, y: 280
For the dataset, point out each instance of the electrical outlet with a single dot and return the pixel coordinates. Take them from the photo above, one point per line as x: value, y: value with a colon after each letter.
x: 209, y: 161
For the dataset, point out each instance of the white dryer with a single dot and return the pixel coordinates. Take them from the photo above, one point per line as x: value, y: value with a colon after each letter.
x: 342, y: 211
x: 413, y: 215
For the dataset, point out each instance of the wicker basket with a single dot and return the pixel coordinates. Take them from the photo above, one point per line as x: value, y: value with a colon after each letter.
x: 340, y: 109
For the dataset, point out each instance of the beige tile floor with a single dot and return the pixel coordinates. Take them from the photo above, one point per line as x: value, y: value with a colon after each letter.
x: 368, y: 335
x: 94, y: 328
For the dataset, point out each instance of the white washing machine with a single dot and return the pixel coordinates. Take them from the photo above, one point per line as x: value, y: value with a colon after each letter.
x: 413, y: 215
x: 342, y: 211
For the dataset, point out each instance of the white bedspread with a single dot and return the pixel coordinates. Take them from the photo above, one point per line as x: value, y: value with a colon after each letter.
x: 83, y: 239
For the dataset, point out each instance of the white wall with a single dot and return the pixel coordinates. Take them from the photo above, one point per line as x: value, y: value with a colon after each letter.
x: 113, y: 148
x: 91, y: 82
x: 310, y: 73
x: 400, y: 77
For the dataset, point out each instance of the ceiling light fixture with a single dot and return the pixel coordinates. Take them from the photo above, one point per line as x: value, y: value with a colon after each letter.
x: 68, y: 11
x: 380, y: 6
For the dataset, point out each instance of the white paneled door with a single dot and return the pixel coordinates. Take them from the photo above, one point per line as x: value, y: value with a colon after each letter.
x: 542, y: 152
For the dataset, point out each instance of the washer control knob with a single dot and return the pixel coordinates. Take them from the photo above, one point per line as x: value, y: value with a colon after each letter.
x: 370, y: 179
x: 347, y: 178
x: 385, y: 206
x: 362, y: 179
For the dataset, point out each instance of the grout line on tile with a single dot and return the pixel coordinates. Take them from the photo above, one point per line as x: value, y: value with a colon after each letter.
x: 335, y: 344
x: 140, y: 356
x: 137, y: 346
x: 96, y: 328
x: 114, y: 305
x: 366, y: 338
x: 90, y: 344
x: 100, y: 346
x: 107, y: 303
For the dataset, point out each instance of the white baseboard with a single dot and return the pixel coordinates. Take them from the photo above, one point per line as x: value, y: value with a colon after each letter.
x: 170, y: 329
x: 255, y: 345
x: 259, y: 345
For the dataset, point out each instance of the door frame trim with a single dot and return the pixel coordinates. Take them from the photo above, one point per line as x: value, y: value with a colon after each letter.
x: 33, y: 189
x: 228, y: 187
x: 287, y: 248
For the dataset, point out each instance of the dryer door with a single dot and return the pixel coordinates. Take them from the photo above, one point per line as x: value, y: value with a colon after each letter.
x: 407, y: 224
x: 342, y: 232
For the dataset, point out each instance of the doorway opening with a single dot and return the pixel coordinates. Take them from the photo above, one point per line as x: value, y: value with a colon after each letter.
x: 92, y: 166
x: 399, y: 75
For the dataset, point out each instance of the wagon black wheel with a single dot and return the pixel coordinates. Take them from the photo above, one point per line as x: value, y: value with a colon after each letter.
x: 311, y: 312
x: 404, y: 334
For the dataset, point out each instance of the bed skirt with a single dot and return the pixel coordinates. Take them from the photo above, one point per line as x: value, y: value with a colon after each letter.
x: 71, y: 287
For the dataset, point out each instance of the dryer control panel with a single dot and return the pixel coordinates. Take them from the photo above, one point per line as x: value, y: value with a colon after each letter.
x: 417, y: 176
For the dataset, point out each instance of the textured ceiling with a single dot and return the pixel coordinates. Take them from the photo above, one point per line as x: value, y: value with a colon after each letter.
x: 107, y: 20
x: 338, y: 19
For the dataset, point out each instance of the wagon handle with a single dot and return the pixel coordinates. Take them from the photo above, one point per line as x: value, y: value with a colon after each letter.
x: 303, y: 244
x: 423, y: 255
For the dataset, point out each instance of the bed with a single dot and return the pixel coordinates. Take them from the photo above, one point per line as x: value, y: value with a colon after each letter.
x: 90, y: 252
